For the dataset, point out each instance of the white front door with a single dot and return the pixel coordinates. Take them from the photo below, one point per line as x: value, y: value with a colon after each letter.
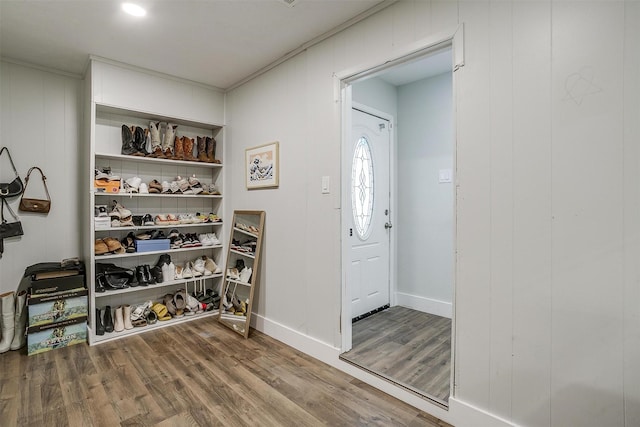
x: 370, y: 230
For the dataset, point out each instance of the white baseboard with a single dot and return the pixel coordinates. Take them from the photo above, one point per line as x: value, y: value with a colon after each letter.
x: 460, y: 414
x: 465, y: 414
x: 426, y: 305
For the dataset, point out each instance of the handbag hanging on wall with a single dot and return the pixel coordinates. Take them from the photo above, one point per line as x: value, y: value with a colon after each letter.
x: 13, y: 188
x: 35, y: 205
x: 8, y: 229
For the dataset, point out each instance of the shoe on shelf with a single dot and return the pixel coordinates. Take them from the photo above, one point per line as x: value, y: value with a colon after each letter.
x: 127, y: 222
x: 198, y: 269
x: 143, y: 189
x: 174, y: 233
x: 175, y: 242
x: 232, y: 273
x: 183, y: 185
x: 245, y: 274
x: 213, y: 238
x: 174, y: 187
x: 205, y: 239
x: 147, y: 220
x: 186, y: 272
x: 196, y: 188
x: 119, y: 211
x: 166, y: 187
x: 214, y: 218
x: 194, y: 240
x: 128, y: 242
x: 161, y: 311
x: 172, y: 219
x: 108, y: 319
x: 155, y: 186
x: 210, y: 265
x: 141, y: 276
x: 100, y: 247
x: 132, y: 185
x: 113, y: 245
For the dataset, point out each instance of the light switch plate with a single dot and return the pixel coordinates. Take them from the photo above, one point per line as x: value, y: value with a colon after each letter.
x: 444, y: 175
x: 325, y: 185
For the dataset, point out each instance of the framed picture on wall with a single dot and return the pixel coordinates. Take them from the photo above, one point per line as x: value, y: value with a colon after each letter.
x: 262, y: 166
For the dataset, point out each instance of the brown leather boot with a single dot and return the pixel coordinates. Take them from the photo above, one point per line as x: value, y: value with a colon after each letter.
x: 179, y: 149
x: 211, y: 150
x: 187, y: 143
x: 202, y: 149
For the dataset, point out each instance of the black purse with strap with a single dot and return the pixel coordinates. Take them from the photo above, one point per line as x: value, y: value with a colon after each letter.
x: 15, y: 187
x: 35, y: 205
x: 8, y: 229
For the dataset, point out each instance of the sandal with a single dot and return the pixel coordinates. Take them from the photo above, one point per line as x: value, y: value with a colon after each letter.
x: 100, y: 247
x: 129, y: 243
x: 161, y: 311
x: 139, y: 323
x: 113, y: 245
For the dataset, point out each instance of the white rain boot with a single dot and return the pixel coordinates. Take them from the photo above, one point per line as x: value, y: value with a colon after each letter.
x: 126, y: 314
x: 118, y: 323
x: 19, y: 337
x: 8, y: 306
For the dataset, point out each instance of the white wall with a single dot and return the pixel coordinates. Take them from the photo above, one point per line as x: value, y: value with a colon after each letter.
x: 40, y: 122
x: 548, y: 223
x: 377, y: 94
x: 424, y: 218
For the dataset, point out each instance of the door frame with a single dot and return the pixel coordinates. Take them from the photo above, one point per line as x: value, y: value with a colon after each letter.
x: 346, y: 172
x: 454, y: 39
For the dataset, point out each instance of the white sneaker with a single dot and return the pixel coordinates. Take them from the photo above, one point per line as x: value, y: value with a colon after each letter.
x: 198, y: 267
x: 196, y: 270
x: 166, y: 187
x: 171, y: 268
x: 186, y: 272
x: 245, y: 274
x: 205, y: 240
x: 132, y: 184
x: 165, y: 274
x: 232, y: 273
x: 143, y: 189
x: 213, y: 238
x: 211, y: 266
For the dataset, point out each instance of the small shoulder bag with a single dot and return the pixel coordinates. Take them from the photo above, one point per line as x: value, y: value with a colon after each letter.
x: 13, y: 188
x: 8, y: 229
x: 35, y: 205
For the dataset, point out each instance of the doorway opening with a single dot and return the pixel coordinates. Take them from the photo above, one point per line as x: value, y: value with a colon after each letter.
x: 399, y: 250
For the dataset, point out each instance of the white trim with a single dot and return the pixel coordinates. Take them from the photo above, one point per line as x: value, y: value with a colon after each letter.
x: 426, y: 305
x: 466, y: 414
x: 9, y: 60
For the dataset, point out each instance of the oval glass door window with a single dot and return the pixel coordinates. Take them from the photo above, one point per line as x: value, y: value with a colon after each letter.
x: 362, y: 188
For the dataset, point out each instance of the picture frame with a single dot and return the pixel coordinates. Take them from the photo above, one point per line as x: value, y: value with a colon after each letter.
x: 262, y: 166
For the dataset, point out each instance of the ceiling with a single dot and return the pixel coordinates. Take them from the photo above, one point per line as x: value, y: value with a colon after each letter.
x: 216, y: 42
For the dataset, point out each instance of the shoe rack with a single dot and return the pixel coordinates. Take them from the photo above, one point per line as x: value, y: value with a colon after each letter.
x: 106, y: 149
x: 245, y: 247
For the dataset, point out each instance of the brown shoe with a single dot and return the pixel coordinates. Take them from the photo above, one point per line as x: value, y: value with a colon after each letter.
x: 179, y: 149
x: 202, y: 149
x: 187, y: 144
x: 155, y: 186
x: 211, y: 150
x: 100, y: 247
x: 113, y: 245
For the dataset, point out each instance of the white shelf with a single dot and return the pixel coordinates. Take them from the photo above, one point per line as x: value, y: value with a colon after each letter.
x: 153, y: 227
x: 156, y: 286
x: 239, y: 282
x: 242, y: 253
x: 167, y: 195
x: 136, y: 159
x: 98, y: 258
x: 110, y: 336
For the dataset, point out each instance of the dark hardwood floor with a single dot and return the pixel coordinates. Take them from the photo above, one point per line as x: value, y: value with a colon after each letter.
x: 196, y: 373
x: 408, y: 347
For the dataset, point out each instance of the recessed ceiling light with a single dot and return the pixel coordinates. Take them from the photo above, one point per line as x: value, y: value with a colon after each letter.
x: 133, y: 9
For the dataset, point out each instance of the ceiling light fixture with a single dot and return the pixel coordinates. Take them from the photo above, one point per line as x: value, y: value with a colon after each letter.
x: 133, y: 9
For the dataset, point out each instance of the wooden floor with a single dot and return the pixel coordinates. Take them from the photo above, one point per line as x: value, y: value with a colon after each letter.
x: 406, y: 346
x: 196, y: 373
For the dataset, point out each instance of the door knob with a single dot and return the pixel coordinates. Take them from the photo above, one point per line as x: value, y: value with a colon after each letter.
x: 388, y: 225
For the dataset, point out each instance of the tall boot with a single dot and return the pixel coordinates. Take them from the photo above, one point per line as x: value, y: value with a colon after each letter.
x: 108, y: 319
x: 126, y: 314
x: 179, y: 149
x: 19, y: 338
x: 118, y: 324
x: 156, y: 144
x: 202, y: 149
x: 99, y: 325
x: 188, y: 148
x: 139, y: 141
x: 127, y: 141
x: 168, y: 140
x: 211, y: 150
x: 8, y: 306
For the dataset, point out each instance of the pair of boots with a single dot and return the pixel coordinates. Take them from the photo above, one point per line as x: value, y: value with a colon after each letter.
x: 164, y: 149
x: 117, y: 322
x: 134, y: 141
x: 13, y: 321
x: 207, y: 150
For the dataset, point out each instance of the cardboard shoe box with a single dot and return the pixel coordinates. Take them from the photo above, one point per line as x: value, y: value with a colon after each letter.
x: 57, y: 284
x: 57, y: 335
x: 59, y: 307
